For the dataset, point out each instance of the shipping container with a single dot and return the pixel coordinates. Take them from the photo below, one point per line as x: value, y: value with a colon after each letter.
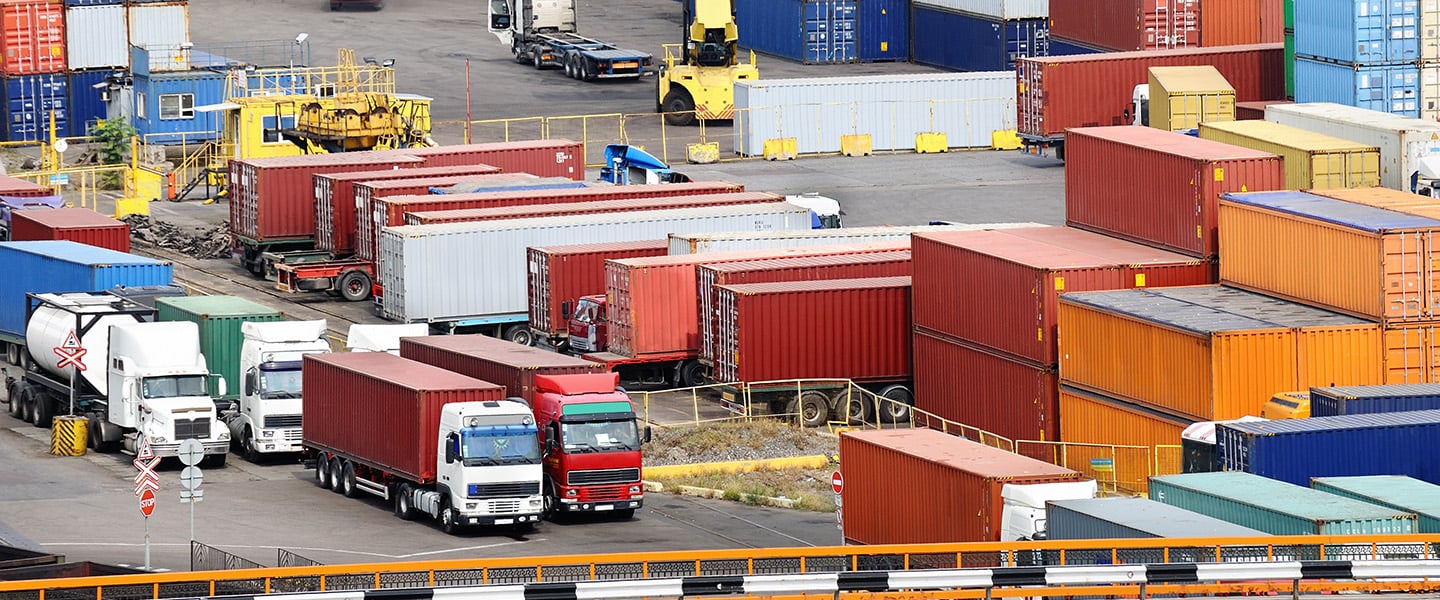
x: 1312, y: 160
x: 1338, y: 255
x: 1235, y: 22
x: 1373, y: 444
x: 158, y: 31
x: 808, y: 268
x: 66, y: 266
x: 32, y: 101
x: 946, y: 488
x: 92, y: 2
x: 999, y: 289
x: 1272, y: 21
x: 891, y: 109
x: 395, y: 424
x: 766, y: 331
x: 475, y: 185
x: 1089, y: 418
x: 999, y: 10
x: 87, y: 104
x: 1061, y: 92
x: 1183, y: 97
x: 1064, y: 47
x: 165, y: 106
x: 335, y: 218
x: 809, y: 31
x: 1128, y: 518
x: 1399, y: 492
x: 274, y: 198
x: 1430, y: 90
x: 556, y: 157
x: 75, y: 224
x: 1355, y: 400
x: 1394, y: 89
x: 729, y: 241
x: 965, y: 383
x: 989, y: 44
x: 366, y: 192
x: 1412, y: 353
x: 1254, y: 111
x: 34, y: 33
x: 882, y: 30
x: 497, y: 361
x: 1429, y: 32
x: 1358, y: 31
x: 429, y: 274
x: 1386, y: 198
x: 1128, y: 24
x: 219, y: 319
x: 1209, y: 352
x: 1289, y: 64
x: 95, y: 37
x: 559, y: 275
x: 1276, y: 507
x: 1402, y: 141
x: 526, y: 211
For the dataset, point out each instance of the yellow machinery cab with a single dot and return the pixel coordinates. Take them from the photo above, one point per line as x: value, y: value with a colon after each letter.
x: 1287, y: 405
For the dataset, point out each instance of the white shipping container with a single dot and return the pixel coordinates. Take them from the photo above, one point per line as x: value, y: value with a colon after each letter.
x: 161, y: 29
x: 727, y: 241
x: 1429, y: 30
x: 95, y: 37
x: 1000, y: 10
x: 477, y: 271
x: 1430, y: 90
x: 1402, y: 140
x: 892, y: 109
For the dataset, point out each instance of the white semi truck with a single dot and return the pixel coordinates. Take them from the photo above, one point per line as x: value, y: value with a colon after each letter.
x: 266, y: 419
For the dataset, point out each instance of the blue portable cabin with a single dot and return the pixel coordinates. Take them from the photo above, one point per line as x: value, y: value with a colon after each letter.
x: 966, y: 42
x: 30, y: 101
x: 65, y: 266
x: 165, y: 106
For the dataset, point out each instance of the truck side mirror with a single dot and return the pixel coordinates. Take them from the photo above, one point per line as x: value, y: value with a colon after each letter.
x: 250, y: 382
x: 450, y: 451
x: 565, y: 310
x: 552, y: 445
x: 219, y: 384
x: 647, y: 435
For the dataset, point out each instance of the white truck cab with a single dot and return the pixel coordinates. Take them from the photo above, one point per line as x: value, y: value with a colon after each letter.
x: 157, y: 382
x: 267, y: 418
x: 488, y: 469
x: 1024, y: 506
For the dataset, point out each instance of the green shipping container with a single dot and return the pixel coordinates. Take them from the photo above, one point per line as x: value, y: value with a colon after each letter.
x: 219, y: 318
x: 1392, y: 491
x: 1290, y: 16
x: 1289, y: 58
x: 1276, y: 507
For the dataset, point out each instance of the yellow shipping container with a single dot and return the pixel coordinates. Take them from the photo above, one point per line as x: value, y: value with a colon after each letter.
x: 1184, y: 97
x: 1412, y: 353
x: 1209, y: 352
x: 1312, y: 160
x: 1366, y: 261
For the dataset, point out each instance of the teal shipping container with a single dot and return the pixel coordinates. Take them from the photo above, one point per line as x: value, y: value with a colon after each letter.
x: 1392, y: 491
x: 219, y: 318
x: 1276, y: 507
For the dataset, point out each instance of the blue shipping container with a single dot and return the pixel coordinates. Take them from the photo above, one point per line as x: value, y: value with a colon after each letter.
x: 30, y: 100
x: 809, y: 31
x: 1059, y: 47
x: 165, y: 106
x: 1358, y: 31
x: 87, y: 104
x: 1295, y: 450
x: 970, y: 43
x: 1363, y: 399
x: 884, y: 30
x: 64, y: 266
x: 1391, y: 88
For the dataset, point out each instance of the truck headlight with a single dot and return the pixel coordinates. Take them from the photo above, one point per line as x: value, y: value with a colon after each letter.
x: 634, y: 489
x: 267, y: 433
x: 224, y: 436
x: 159, y: 439
x: 571, y: 493
x: 469, y: 506
x: 535, y: 503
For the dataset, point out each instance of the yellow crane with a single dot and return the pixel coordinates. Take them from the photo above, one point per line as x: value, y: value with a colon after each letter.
x: 697, y: 78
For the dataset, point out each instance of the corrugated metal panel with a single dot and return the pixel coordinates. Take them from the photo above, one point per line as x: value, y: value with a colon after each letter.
x: 65, y: 266
x: 335, y: 218
x: 1412, y: 353
x: 810, y: 31
x: 86, y: 106
x: 1358, y: 31
x: 1209, y: 352
x: 75, y: 224
x: 1388, y: 199
x: 967, y: 107
x: 1128, y: 24
x: 164, y: 96
x: 1272, y: 21
x: 692, y: 243
x: 95, y: 37
x: 556, y: 157
x: 525, y: 211
x: 1429, y: 31
x: 92, y: 2
x: 948, y: 486
x: 1354, y: 400
x: 1001, y: 10
x: 1114, y: 518
x: 966, y: 384
x: 1087, y: 418
x: 1275, y: 507
x: 1391, y: 491
x: 429, y: 274
x: 1312, y: 160
x: 1394, y: 89
x: 274, y: 198
x: 1232, y: 22
x: 367, y: 237
x: 219, y: 319
x: 990, y: 45
x: 31, y: 101
x: 1183, y: 97
x: 160, y: 29
x: 561, y: 274
x: 1376, y: 443
x: 494, y: 360
x: 1402, y: 141
x: 883, y: 30
x: 1289, y: 62
x: 34, y: 37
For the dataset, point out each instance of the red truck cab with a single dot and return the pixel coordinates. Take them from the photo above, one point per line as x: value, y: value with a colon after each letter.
x: 588, y: 325
x: 592, y: 444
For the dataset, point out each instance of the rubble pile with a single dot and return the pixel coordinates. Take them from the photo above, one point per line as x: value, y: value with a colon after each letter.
x: 206, y: 242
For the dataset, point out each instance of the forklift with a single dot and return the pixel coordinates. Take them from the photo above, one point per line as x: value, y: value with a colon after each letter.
x: 697, y: 78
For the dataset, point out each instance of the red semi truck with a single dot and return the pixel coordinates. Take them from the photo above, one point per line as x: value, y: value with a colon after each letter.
x: 587, y: 426
x: 558, y: 275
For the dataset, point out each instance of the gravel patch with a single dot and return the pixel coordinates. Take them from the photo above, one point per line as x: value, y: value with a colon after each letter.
x: 757, y: 440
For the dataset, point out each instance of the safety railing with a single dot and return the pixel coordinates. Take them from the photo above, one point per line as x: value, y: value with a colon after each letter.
x: 85, y: 186
x: 287, y: 558
x: 209, y: 558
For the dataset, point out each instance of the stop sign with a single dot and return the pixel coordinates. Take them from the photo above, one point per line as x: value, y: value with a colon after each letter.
x: 836, y: 482
x: 147, y: 502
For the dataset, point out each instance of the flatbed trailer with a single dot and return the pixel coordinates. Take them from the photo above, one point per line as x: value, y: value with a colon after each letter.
x: 583, y: 58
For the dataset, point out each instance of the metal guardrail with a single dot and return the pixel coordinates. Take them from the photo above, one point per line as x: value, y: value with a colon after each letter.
x: 286, y: 558
x: 209, y: 558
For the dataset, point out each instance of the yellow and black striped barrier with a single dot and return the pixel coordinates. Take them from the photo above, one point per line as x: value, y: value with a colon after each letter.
x: 67, y: 436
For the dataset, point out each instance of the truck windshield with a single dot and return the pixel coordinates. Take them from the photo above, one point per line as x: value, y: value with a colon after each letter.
x: 173, y: 386
x: 600, y: 436
x: 280, y: 384
x: 499, y: 446
x: 589, y: 312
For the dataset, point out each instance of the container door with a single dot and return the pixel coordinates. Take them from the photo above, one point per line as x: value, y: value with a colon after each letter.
x: 1429, y: 30
x: 1026, y: 38
x: 884, y: 30
x: 830, y: 31
x: 1429, y: 105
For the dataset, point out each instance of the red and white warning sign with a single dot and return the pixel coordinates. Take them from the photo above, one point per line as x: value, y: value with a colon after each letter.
x: 70, y: 352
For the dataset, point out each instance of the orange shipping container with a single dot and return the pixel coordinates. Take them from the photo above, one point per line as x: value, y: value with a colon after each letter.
x: 1386, y: 198
x: 1357, y: 259
x: 1087, y: 418
x: 1412, y: 353
x: 1230, y: 22
x: 1209, y: 352
x: 1272, y: 21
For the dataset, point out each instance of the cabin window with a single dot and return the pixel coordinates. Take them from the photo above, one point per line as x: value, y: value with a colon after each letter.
x: 177, y: 106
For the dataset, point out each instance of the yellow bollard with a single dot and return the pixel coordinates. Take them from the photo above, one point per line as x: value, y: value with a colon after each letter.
x: 930, y: 142
x: 781, y: 149
x: 68, y: 436
x: 856, y: 145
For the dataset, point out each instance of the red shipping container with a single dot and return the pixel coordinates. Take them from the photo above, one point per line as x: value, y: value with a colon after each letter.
x: 14, y: 187
x: 273, y: 199
x: 920, y: 486
x: 366, y: 192
x: 664, y: 290
x: 1272, y: 21
x: 75, y: 224
x: 1230, y: 22
x: 335, y: 218
x: 34, y: 36
x: 543, y: 158
x: 1127, y: 24
x: 495, y: 360
x: 1090, y: 90
x: 561, y: 274
x: 843, y: 328
x: 809, y: 268
x: 961, y: 382
x: 1159, y: 188
x: 383, y: 410
x: 1000, y: 289
x: 1255, y: 111
x: 470, y: 215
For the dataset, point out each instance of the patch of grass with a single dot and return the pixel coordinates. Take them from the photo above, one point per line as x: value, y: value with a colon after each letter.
x: 735, y: 440
x: 809, y: 488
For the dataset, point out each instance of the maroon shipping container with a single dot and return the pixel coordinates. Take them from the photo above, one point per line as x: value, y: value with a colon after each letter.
x: 1255, y: 111
x: 273, y: 199
x: 383, y: 410
x: 14, y: 187
x: 367, y: 192
x: 1090, y: 90
x: 1159, y: 188
x: 469, y: 215
x: 75, y: 224
x: 808, y: 268
x: 543, y: 158
x: 1000, y: 289
x: 495, y: 360
x: 561, y: 274
x: 335, y: 219
x: 843, y: 328
x: 1127, y: 24
x: 918, y: 486
x: 964, y: 383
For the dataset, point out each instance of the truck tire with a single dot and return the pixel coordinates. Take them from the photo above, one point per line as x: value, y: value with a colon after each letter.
x: 27, y: 404
x: 449, y: 520
x: 690, y: 373
x: 247, y: 446
x: 901, y: 401
x: 519, y: 334
x: 355, y: 286
x: 570, y: 68
x: 587, y: 70
x: 810, y: 410
x: 403, y: 503
x: 854, y: 407
x: 97, y: 438
x: 535, y: 59
x: 335, y: 472
x: 12, y: 395
x: 347, y: 480
x: 322, y: 472
x: 44, y: 412
x: 12, y: 353
x: 679, y: 108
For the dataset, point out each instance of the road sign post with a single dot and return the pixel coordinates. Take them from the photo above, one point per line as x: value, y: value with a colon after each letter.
x: 191, y: 453
x: 70, y: 353
x: 146, y: 484
x: 837, y: 483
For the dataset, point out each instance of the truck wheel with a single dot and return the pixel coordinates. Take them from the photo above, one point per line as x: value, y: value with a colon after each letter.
x: 43, y: 412
x: 335, y: 474
x: 900, y: 400
x: 449, y: 520
x: 691, y: 374
x: 347, y: 480
x: 403, y: 507
x: 519, y: 334
x: 27, y: 404
x: 97, y: 437
x: 811, y: 410
x: 570, y: 70
x: 17, y: 409
x: 853, y: 407
x: 322, y: 472
x: 536, y: 60
x: 550, y: 500
x: 1060, y: 151
x: 355, y: 286
x: 247, y: 447
x: 587, y: 70
x: 12, y: 353
x: 679, y: 108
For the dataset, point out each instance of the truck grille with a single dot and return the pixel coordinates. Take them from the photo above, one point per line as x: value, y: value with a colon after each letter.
x: 504, y: 490
x: 505, y: 507
x: 192, y: 429
x: 294, y: 435
x: 279, y: 421
x: 603, y: 476
x: 601, y: 493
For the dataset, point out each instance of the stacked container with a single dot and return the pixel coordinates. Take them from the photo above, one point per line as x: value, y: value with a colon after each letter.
x: 1239, y: 22
x: 75, y: 224
x: 66, y: 266
x: 826, y: 31
x: 995, y: 32
x: 33, y: 67
x: 471, y: 215
x: 158, y: 32
x: 1363, y: 53
x: 96, y: 34
x: 1312, y: 160
x: 273, y: 199
x: 1374, y: 443
x: 1403, y: 141
x: 335, y: 218
x: 560, y: 275
x: 1276, y: 507
x: 1124, y: 25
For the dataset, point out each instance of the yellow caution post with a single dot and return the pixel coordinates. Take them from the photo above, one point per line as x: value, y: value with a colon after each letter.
x: 856, y: 145
x: 781, y: 149
x: 930, y: 141
x: 68, y: 435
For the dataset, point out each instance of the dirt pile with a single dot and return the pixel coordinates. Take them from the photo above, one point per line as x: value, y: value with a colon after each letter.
x: 206, y: 242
